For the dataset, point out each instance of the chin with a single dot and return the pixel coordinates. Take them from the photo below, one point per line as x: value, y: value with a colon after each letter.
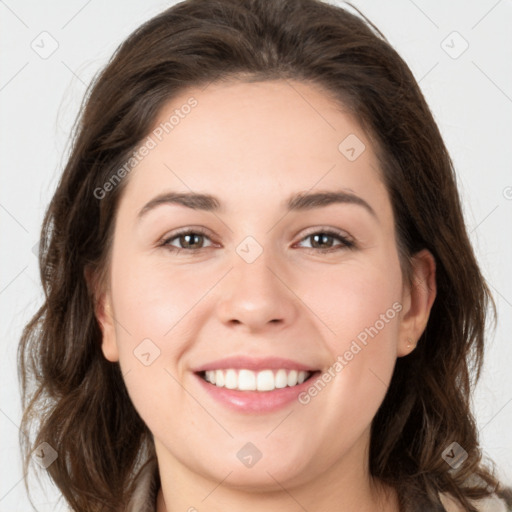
x: 269, y: 473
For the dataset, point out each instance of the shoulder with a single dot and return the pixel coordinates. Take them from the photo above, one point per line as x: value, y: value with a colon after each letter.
x: 491, y: 504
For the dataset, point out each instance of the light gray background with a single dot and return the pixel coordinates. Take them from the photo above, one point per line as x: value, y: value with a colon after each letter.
x: 470, y: 96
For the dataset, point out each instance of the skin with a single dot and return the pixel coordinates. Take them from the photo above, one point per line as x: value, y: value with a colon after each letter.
x: 252, y: 145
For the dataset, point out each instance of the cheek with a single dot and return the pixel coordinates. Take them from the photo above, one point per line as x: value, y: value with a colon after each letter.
x: 154, y: 300
x: 359, y: 306
x: 157, y: 312
x: 358, y: 300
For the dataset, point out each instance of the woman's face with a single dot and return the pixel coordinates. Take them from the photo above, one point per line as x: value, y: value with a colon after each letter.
x: 267, y: 289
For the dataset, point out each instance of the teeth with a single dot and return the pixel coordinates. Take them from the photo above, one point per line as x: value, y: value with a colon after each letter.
x: 292, y: 378
x: 281, y: 379
x: 248, y: 380
x: 265, y: 380
x: 231, y: 380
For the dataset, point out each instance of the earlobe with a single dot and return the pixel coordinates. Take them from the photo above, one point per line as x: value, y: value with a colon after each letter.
x: 105, y: 318
x: 419, y: 297
x: 102, y: 305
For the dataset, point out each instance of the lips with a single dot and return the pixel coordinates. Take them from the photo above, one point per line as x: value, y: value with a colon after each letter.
x: 249, y: 363
x: 250, y: 385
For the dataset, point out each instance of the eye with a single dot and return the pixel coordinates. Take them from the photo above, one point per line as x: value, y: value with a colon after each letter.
x: 324, y: 237
x: 193, y: 240
x: 190, y: 240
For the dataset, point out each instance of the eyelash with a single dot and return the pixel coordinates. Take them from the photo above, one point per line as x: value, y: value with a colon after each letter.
x: 346, y: 243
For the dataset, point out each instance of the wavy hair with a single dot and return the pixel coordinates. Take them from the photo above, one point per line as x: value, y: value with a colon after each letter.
x: 76, y: 400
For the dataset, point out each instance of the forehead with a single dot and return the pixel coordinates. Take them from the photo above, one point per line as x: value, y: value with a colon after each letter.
x: 243, y: 140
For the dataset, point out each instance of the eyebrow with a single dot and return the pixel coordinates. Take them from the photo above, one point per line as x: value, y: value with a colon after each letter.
x: 299, y: 201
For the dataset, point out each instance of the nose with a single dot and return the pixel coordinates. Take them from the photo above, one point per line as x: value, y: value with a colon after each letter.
x: 257, y: 295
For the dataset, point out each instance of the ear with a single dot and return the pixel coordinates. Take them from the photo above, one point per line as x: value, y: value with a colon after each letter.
x: 102, y: 303
x: 417, y: 300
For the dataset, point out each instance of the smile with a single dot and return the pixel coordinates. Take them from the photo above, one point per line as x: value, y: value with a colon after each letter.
x: 255, y: 385
x: 249, y: 380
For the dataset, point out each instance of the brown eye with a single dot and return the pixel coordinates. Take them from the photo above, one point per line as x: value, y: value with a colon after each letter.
x: 187, y: 240
x: 324, y: 241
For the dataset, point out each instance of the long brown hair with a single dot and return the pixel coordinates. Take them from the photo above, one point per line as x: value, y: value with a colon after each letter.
x: 76, y: 401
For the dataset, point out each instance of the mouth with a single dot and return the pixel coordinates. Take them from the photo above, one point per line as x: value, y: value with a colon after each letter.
x: 254, y: 385
x: 255, y: 392
x: 241, y: 379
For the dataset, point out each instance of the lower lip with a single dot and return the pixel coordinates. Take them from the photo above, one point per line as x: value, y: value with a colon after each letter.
x: 256, y: 401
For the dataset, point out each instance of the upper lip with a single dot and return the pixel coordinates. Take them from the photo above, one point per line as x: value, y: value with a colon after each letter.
x: 255, y: 364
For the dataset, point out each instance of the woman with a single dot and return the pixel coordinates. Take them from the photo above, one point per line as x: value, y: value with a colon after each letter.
x: 260, y: 291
